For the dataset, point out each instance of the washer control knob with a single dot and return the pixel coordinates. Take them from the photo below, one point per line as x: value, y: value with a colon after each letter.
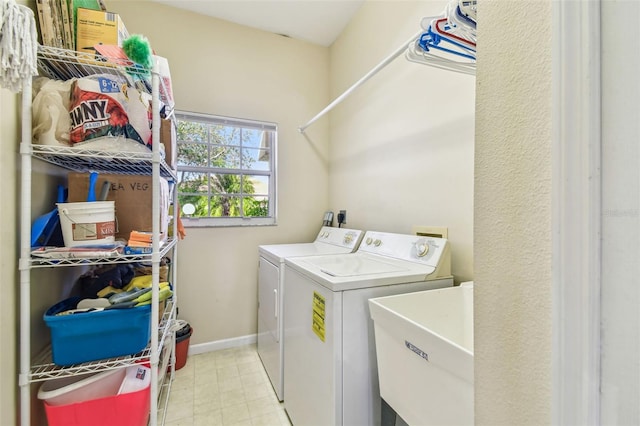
x: 348, y: 238
x: 377, y: 243
x: 422, y: 248
x: 369, y: 241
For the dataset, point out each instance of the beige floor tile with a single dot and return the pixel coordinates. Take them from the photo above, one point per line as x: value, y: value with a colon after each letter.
x: 227, y: 372
x: 203, y: 358
x: 206, y: 368
x: 235, y: 413
x: 208, y: 418
x: 262, y: 406
x: 253, y: 380
x: 179, y: 409
x: 246, y: 422
x: 203, y: 407
x: 180, y: 422
x: 268, y: 419
x: 226, y: 387
x: 249, y: 367
x: 231, y: 398
x: 233, y: 383
x: 257, y: 392
x: 206, y: 392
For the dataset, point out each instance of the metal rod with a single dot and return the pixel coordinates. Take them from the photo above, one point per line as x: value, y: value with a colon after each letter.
x: 358, y: 83
x: 155, y: 241
x: 25, y: 254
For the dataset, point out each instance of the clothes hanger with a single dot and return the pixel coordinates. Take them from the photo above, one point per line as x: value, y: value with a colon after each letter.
x: 415, y: 53
x: 433, y: 40
x: 443, y: 28
x: 449, y: 40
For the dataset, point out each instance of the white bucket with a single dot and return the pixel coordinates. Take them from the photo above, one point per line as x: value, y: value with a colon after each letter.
x: 87, y: 224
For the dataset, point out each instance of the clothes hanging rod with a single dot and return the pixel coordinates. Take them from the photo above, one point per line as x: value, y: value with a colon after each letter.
x: 358, y: 83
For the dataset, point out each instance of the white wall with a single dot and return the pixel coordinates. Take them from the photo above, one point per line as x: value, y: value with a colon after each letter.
x: 620, y: 292
x: 226, y: 69
x: 512, y: 214
x: 402, y: 144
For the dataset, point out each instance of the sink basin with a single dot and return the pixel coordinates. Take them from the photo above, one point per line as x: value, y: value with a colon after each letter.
x: 424, y: 347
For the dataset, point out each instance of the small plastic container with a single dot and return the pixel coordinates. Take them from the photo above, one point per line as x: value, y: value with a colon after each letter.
x: 182, y: 345
x: 93, y: 399
x: 91, y: 336
x: 70, y: 390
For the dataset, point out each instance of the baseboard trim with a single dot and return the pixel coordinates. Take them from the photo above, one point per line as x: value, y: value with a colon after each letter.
x: 217, y: 345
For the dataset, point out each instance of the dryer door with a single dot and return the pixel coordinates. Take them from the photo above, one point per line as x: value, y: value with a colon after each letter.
x: 270, y: 324
x: 268, y: 289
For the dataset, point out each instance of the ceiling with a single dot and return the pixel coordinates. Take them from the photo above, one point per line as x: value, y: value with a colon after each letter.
x: 316, y: 21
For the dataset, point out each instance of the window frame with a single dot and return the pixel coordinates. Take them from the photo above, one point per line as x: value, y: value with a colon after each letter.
x: 271, y: 218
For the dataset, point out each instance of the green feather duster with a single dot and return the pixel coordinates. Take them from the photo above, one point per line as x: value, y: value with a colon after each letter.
x: 138, y: 49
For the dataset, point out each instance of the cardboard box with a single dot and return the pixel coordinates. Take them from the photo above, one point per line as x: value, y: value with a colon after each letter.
x: 132, y: 195
x: 98, y: 27
x: 168, y: 138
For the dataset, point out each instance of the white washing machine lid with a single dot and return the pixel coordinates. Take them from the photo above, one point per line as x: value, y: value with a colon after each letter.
x: 341, y: 266
x: 329, y: 240
x: 339, y: 272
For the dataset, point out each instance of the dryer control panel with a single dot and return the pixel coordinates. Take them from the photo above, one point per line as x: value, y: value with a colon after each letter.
x: 342, y: 237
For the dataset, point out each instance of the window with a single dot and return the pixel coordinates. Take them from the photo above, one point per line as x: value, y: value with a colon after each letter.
x: 226, y: 170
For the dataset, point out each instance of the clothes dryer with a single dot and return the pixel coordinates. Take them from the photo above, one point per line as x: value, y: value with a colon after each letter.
x: 270, y: 292
x: 330, y: 372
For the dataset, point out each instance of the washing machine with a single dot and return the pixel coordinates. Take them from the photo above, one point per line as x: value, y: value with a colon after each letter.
x: 270, y: 291
x: 330, y: 372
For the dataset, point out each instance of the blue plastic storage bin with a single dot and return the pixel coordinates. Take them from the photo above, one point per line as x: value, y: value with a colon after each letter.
x: 92, y: 336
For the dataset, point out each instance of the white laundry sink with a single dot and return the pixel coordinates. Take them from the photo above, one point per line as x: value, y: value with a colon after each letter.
x: 424, y: 347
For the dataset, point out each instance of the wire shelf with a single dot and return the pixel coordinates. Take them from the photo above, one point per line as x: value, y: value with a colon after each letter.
x: 63, y: 64
x: 43, y: 369
x: 84, y: 160
x: 41, y: 262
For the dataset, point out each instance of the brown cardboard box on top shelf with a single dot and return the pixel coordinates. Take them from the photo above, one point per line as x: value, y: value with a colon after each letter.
x: 98, y: 27
x: 168, y: 139
x: 132, y: 196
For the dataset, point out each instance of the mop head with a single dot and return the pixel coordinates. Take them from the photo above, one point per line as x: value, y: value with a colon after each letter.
x: 138, y: 49
x: 18, y: 45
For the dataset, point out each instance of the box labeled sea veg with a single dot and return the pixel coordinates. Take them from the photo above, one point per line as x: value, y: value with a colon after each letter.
x: 132, y: 195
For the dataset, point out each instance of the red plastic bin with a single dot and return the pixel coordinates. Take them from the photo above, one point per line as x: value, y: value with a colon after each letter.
x: 129, y: 409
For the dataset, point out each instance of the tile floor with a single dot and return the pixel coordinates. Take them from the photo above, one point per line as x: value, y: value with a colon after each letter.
x: 226, y: 387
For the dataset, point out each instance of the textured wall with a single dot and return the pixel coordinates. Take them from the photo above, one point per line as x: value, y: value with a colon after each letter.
x: 512, y: 235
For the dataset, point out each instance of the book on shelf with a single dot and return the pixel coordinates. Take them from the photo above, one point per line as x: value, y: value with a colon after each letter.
x: 142, y: 239
x: 44, y: 20
x: 138, y: 250
x: 140, y: 236
x: 67, y: 25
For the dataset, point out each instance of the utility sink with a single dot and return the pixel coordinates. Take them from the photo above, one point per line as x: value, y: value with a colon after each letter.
x: 424, y: 347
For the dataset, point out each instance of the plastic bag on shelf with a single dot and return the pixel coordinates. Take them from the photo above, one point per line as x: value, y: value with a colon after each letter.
x: 50, y: 111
